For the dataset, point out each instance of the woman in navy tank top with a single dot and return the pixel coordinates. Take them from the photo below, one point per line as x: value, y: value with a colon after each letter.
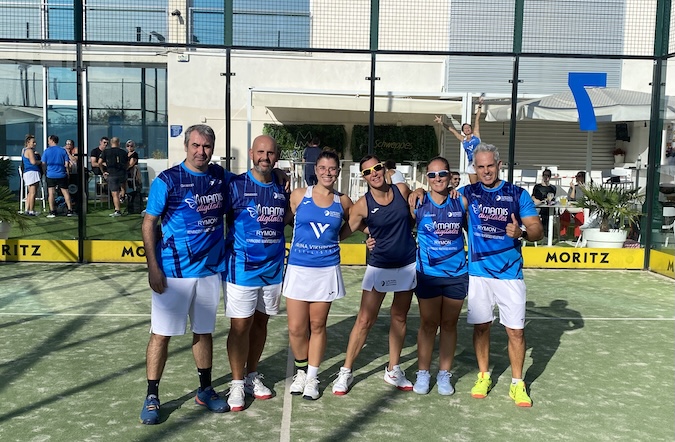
x: 391, y: 268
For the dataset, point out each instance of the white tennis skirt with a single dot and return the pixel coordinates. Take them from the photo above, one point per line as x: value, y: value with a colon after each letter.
x: 313, y: 284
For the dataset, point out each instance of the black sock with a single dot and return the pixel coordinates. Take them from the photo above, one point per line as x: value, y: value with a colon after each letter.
x: 301, y: 364
x: 204, y: 377
x: 153, y: 387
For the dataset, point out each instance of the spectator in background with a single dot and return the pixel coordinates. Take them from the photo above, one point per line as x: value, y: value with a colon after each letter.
x: 114, y: 166
x: 30, y: 166
x: 455, y: 179
x: 392, y: 175
x: 132, y: 161
x: 56, y: 164
x: 95, y: 156
x: 309, y: 156
x: 72, y: 155
x: 574, y: 194
x: 540, y: 195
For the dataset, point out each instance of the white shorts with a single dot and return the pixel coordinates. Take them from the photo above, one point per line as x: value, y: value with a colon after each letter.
x: 197, y: 298
x: 242, y: 301
x: 313, y: 284
x: 31, y: 177
x: 471, y: 170
x: 507, y: 294
x: 400, y: 279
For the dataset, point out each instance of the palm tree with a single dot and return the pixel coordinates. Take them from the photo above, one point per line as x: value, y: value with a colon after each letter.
x: 612, y: 204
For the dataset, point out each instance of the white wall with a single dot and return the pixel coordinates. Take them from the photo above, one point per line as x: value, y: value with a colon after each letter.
x: 197, y: 91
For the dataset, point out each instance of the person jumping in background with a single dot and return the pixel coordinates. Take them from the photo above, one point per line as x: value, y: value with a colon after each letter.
x: 470, y: 137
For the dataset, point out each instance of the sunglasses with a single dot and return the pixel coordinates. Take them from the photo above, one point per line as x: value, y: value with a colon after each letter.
x: 440, y: 173
x: 375, y: 168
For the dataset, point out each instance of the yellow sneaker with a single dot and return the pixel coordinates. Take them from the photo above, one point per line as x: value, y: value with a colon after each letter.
x: 518, y: 393
x: 482, y: 386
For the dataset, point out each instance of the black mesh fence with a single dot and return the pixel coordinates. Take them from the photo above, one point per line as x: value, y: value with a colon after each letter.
x: 606, y: 28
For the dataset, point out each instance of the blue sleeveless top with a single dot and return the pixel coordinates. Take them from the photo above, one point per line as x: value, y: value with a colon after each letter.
x: 27, y: 166
x: 440, y: 238
x: 391, y: 226
x: 316, y: 233
x: 469, y: 145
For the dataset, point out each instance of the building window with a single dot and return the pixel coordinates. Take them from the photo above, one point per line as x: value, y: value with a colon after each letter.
x: 266, y: 23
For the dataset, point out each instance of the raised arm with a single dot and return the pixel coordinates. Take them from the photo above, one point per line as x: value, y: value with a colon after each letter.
x: 476, y: 121
x: 438, y: 119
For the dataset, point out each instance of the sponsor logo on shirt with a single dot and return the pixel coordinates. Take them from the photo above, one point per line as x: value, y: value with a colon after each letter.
x: 489, y: 213
x: 319, y: 228
x: 375, y: 210
x: 267, y: 214
x: 508, y: 198
x: 204, y: 203
x: 332, y: 214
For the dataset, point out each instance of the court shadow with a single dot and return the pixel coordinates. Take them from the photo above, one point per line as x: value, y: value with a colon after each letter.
x: 544, y: 333
x: 544, y: 328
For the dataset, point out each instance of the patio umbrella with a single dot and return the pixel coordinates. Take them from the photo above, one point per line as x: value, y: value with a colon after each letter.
x: 609, y: 105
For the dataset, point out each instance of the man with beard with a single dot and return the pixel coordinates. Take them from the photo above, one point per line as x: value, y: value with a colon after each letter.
x: 255, y: 247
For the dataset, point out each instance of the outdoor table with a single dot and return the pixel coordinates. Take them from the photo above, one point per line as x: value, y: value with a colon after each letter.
x: 551, y: 213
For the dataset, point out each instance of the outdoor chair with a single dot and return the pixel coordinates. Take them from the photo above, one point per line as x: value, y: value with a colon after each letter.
x: 39, y: 196
x: 668, y: 212
x: 527, y: 179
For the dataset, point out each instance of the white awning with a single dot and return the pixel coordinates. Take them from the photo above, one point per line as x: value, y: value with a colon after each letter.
x: 355, y: 102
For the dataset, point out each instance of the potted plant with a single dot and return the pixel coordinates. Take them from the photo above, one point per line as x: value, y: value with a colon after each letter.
x: 619, y: 155
x: 8, y: 208
x: 616, y: 207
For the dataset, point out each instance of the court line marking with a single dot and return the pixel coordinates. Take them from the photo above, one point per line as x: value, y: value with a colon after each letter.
x: 338, y: 315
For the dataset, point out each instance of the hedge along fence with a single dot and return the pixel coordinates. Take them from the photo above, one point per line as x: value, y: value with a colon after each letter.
x: 398, y: 143
x: 293, y: 138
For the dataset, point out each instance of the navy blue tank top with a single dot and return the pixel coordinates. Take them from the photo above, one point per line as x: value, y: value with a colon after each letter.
x: 391, y: 226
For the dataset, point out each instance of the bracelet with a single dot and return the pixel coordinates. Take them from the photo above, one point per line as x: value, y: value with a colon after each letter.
x: 523, y: 234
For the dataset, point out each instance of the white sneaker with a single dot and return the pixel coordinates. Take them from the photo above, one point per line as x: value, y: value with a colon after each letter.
x: 311, y: 391
x: 397, y: 378
x: 444, y: 383
x: 343, y: 382
x: 422, y: 383
x: 298, y: 385
x: 236, y: 397
x: 254, y: 386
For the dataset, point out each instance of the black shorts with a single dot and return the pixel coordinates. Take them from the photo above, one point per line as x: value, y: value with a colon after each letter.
x: 453, y: 287
x: 116, y: 181
x: 61, y: 182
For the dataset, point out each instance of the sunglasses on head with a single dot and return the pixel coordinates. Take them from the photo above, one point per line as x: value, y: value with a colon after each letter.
x: 440, y: 173
x: 375, y: 168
